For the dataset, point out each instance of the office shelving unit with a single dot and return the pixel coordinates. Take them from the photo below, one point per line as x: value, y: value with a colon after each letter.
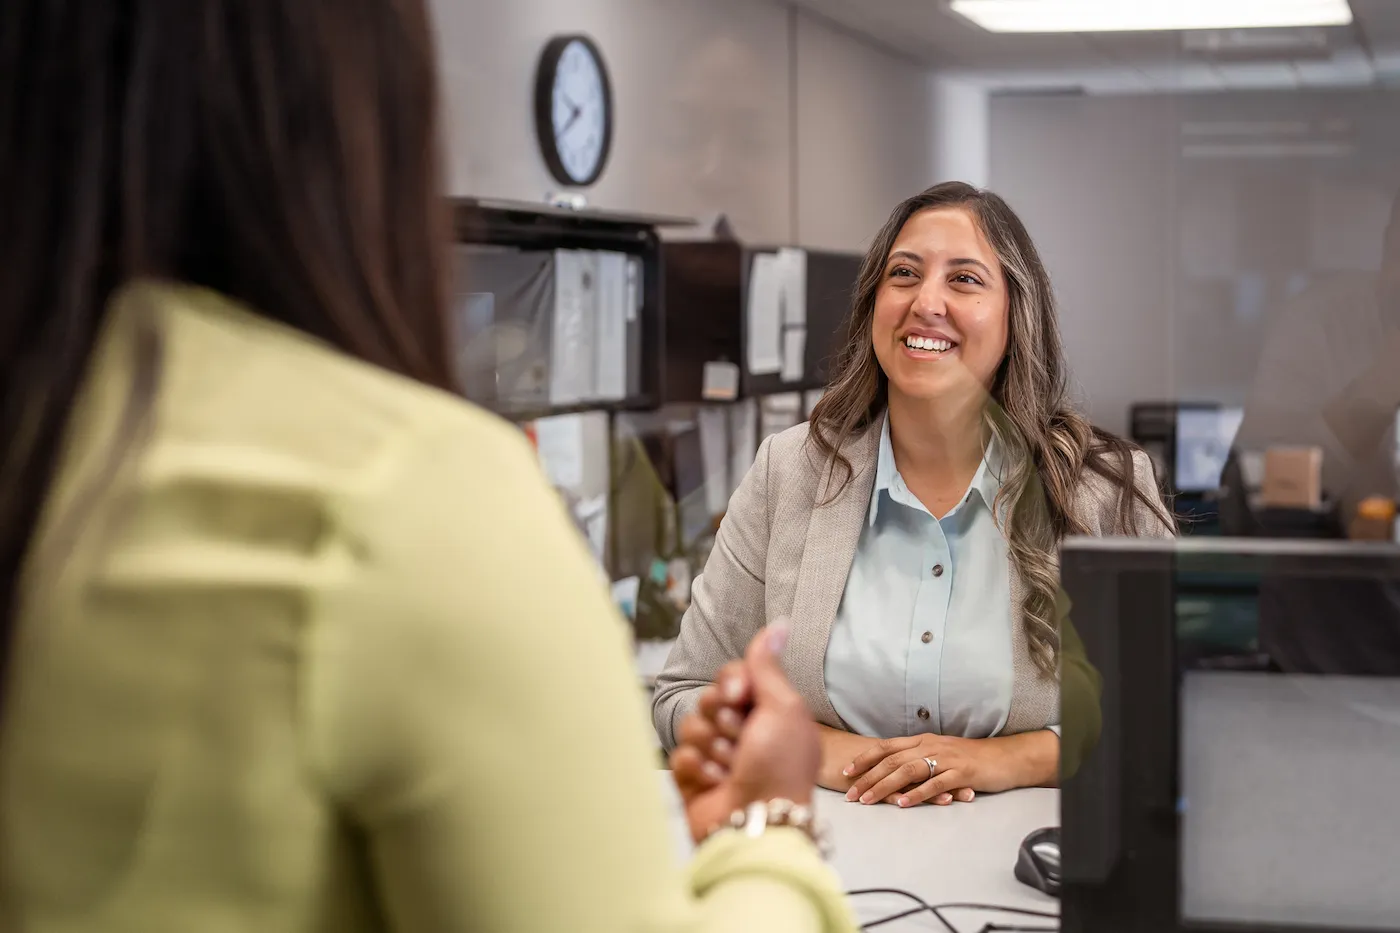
x: 523, y: 225
x: 706, y: 315
x: 546, y: 228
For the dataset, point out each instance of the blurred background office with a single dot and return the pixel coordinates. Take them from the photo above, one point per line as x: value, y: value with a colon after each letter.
x: 1212, y: 203
x: 1213, y: 186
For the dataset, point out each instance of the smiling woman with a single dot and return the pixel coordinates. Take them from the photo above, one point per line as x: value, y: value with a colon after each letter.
x: 911, y: 530
x: 940, y: 323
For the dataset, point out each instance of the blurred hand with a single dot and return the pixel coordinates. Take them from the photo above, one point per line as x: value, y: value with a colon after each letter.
x: 720, y: 716
x: 728, y: 759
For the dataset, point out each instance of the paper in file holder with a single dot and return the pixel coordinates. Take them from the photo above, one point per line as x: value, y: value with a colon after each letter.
x: 540, y: 329
x: 772, y: 316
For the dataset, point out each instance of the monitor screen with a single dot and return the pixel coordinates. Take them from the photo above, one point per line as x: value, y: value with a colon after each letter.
x: 692, y: 504
x: 1203, y: 439
x: 1248, y: 753
x: 1288, y: 810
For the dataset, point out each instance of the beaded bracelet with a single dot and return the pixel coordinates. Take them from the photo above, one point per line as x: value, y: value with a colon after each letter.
x: 755, y: 819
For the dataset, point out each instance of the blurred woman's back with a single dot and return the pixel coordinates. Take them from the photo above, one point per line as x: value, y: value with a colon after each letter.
x: 146, y: 776
x: 278, y: 655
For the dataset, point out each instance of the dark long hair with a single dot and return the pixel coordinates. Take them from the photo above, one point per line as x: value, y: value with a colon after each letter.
x: 1049, y: 444
x: 282, y: 152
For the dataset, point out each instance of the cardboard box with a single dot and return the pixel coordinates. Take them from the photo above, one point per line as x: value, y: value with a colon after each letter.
x: 1293, y: 478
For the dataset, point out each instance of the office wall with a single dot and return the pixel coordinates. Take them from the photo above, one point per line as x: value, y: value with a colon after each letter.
x: 959, y: 131
x: 1178, y: 229
x: 1092, y: 179
x: 744, y: 107
x: 863, y: 135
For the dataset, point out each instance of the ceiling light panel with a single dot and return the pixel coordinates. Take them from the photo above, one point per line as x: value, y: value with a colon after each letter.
x: 1150, y: 15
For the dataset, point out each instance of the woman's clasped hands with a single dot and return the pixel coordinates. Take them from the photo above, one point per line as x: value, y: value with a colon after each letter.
x: 751, y: 738
x: 926, y: 768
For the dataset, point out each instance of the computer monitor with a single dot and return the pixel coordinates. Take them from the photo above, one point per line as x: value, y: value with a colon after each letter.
x: 1204, y: 434
x: 692, y: 504
x: 1240, y: 782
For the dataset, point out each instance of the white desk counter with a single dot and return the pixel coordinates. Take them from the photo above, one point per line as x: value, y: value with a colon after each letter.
x: 956, y: 854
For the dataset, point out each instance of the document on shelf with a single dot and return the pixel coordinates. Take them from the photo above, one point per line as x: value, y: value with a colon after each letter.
x: 780, y: 412
x: 559, y: 442
x: 743, y: 439
x: 794, y: 272
x: 635, y: 297
x: 765, y: 314
x: 610, y: 349
x: 794, y: 349
x: 793, y: 265
x: 635, y: 293
x: 572, y: 346
x: 714, y: 455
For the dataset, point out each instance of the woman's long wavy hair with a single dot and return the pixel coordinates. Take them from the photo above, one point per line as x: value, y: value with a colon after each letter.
x: 1048, y: 445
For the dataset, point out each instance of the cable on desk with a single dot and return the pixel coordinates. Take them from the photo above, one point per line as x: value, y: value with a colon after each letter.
x: 923, y: 907
x: 1018, y: 911
x: 937, y: 911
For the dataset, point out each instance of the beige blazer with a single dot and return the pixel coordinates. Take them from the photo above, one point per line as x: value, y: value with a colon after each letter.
x: 779, y: 553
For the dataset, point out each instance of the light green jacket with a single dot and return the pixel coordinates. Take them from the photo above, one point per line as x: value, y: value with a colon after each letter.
x: 321, y: 652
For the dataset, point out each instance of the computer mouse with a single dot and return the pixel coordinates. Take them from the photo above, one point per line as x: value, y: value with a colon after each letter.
x: 1038, y: 862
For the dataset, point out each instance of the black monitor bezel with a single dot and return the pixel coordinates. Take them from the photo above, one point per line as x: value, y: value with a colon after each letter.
x: 1132, y: 809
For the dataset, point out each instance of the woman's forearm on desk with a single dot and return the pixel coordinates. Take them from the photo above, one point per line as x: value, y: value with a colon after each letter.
x: 726, y: 605
x: 1030, y: 759
x: 839, y: 748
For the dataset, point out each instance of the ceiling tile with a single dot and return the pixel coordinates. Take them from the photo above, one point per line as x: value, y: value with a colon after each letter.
x: 1348, y: 68
x: 926, y: 31
x: 1183, y: 76
x: 1258, y: 75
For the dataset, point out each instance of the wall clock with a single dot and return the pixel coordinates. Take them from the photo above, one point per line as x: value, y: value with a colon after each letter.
x: 573, y: 109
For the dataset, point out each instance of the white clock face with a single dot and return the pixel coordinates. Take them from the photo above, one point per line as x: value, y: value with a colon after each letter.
x: 580, y: 112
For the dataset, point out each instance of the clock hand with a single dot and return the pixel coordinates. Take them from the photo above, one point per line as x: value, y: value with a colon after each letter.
x: 573, y: 117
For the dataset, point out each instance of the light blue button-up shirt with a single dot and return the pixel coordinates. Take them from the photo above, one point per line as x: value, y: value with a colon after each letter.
x: 925, y: 621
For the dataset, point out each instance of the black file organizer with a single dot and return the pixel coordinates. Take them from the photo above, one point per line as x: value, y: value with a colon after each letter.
x: 526, y: 226
x: 704, y: 301
x: 831, y: 282
x: 706, y: 293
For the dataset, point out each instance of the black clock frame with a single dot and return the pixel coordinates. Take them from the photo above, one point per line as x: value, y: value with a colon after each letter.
x: 544, y: 108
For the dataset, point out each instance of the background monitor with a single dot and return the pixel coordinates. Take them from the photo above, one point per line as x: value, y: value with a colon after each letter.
x: 1232, y: 788
x: 692, y: 503
x: 1204, y: 435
